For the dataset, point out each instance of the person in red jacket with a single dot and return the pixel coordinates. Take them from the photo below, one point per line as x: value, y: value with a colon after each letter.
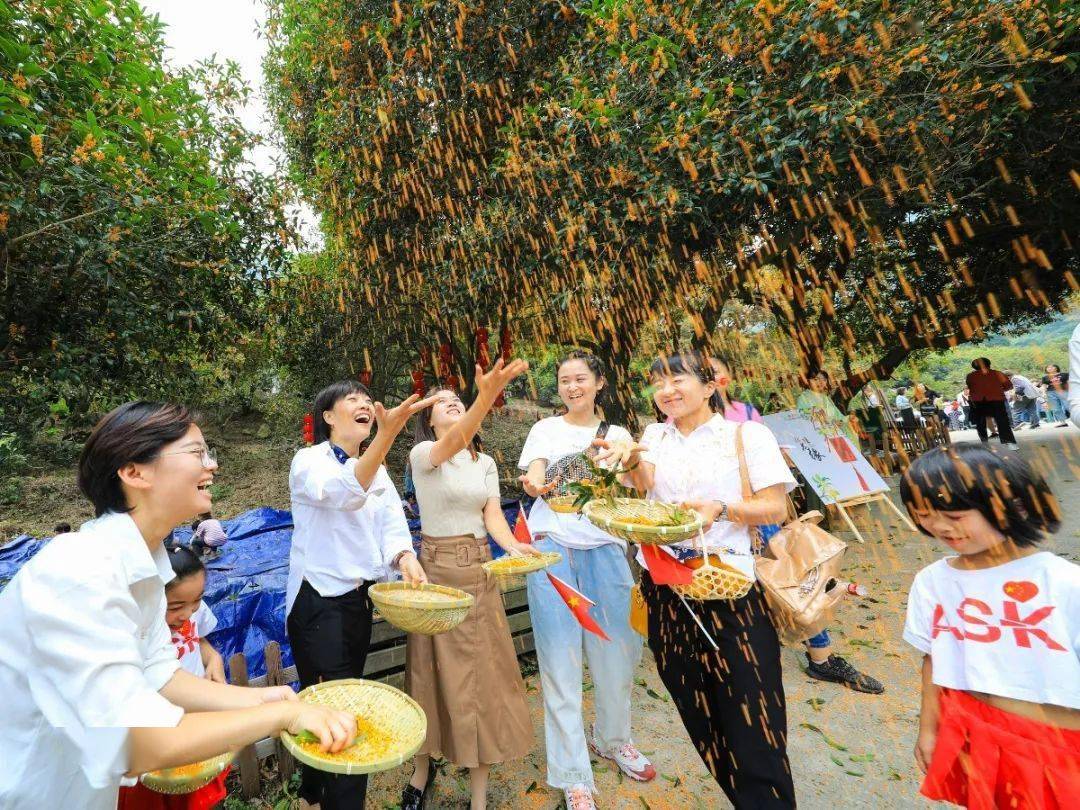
x: 988, y: 387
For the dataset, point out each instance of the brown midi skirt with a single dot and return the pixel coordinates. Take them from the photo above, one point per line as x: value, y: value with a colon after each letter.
x: 468, y: 681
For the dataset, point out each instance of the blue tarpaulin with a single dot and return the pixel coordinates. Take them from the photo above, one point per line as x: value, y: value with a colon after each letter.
x: 245, y: 584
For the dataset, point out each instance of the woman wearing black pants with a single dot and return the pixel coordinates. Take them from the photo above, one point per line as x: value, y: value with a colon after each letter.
x: 988, y: 387
x: 724, y: 679
x: 349, y: 531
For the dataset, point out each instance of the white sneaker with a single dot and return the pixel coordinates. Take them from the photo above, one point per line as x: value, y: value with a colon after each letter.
x: 1012, y: 445
x: 630, y: 761
x: 578, y: 797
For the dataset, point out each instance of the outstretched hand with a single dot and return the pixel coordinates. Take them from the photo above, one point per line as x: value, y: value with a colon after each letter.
x: 491, y: 383
x: 618, y: 454
x: 392, y: 420
x: 537, y: 489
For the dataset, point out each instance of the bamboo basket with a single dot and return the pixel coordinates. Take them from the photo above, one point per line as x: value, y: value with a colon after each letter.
x: 381, y: 710
x: 563, y: 504
x: 187, y: 778
x: 616, y: 519
x: 425, y: 609
x: 510, y: 572
x: 716, y: 581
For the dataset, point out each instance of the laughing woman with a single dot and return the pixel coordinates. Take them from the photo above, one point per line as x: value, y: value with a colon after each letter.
x: 467, y: 680
x: 594, y: 562
x: 92, y: 686
x: 731, y: 699
x: 349, y: 532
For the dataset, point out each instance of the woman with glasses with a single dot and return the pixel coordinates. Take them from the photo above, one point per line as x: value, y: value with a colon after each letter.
x: 92, y: 686
x: 349, y: 531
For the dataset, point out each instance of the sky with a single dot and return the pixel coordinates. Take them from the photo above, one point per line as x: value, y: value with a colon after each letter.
x: 199, y: 29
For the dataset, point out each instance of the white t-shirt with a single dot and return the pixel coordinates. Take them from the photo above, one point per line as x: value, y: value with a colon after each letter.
x: 187, y: 637
x: 552, y: 439
x: 1012, y: 630
x: 704, y: 466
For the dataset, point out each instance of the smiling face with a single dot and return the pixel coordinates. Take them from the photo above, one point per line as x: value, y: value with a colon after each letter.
x: 177, y: 481
x: 578, y: 386
x: 446, y: 411
x: 350, y: 419
x: 184, y: 596
x: 819, y: 383
x: 680, y: 395
x: 965, y: 532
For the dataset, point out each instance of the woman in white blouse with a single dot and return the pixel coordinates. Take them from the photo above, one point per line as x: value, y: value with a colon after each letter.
x: 731, y: 699
x: 468, y: 680
x: 349, y: 531
x: 91, y: 684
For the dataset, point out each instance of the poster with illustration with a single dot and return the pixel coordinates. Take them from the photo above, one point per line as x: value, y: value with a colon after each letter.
x: 827, y: 458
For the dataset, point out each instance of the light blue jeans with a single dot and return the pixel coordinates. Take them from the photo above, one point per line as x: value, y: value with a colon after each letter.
x: 1057, y: 404
x: 562, y: 647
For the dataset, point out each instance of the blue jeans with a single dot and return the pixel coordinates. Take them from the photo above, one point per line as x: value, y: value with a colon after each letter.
x: 1057, y: 404
x: 563, y: 646
x: 1028, y: 411
x: 822, y: 639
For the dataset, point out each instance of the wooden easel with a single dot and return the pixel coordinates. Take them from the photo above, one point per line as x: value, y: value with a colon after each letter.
x: 842, y: 507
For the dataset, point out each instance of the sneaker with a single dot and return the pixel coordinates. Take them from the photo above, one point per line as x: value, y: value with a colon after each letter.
x: 630, y: 761
x: 1062, y: 424
x: 837, y: 670
x: 1012, y: 445
x: 579, y: 797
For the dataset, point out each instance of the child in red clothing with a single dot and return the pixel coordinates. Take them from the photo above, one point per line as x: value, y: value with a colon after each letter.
x: 999, y: 626
x: 190, y: 621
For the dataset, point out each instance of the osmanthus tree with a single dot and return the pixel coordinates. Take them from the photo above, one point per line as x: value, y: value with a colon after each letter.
x: 881, y: 176
x: 134, y: 235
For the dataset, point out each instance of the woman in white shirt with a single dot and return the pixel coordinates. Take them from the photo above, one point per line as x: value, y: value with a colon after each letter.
x: 349, y: 531
x: 731, y: 700
x: 91, y: 683
x: 594, y: 563
x: 467, y: 680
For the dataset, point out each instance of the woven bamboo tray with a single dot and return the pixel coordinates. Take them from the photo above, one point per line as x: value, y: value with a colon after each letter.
x: 716, y: 581
x: 391, y: 727
x: 187, y: 778
x: 425, y: 609
x: 613, y: 519
x: 512, y: 575
x: 563, y: 504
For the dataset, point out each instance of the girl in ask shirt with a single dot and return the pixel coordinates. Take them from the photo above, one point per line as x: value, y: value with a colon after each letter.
x: 999, y: 628
x: 594, y: 563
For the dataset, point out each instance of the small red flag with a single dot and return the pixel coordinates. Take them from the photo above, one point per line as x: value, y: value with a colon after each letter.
x: 664, y: 569
x: 521, y: 528
x: 579, y: 605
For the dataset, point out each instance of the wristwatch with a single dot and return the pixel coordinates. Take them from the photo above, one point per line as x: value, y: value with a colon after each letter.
x: 723, y: 514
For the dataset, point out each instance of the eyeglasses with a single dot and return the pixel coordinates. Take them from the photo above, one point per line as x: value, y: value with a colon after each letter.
x: 208, y: 455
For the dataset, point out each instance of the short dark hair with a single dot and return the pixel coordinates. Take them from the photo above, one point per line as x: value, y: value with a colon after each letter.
x: 326, y: 399
x: 424, y: 432
x: 594, y: 364
x: 997, y: 482
x: 980, y: 362
x: 1054, y: 366
x: 134, y: 432
x: 185, y: 563
x: 692, y: 363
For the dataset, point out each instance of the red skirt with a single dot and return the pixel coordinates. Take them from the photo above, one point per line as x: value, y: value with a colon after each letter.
x: 986, y: 758
x: 140, y: 797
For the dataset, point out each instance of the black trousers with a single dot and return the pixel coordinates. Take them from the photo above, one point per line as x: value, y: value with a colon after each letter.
x: 732, y: 701
x: 330, y: 638
x: 998, y: 410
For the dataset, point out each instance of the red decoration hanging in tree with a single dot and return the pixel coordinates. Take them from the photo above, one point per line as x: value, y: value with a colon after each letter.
x: 419, y: 387
x: 309, y: 428
x: 482, y: 357
x: 365, y: 377
x: 446, y: 362
x: 505, y: 344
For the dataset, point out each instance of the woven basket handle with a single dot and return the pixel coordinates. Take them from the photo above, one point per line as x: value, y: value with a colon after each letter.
x: 756, y: 545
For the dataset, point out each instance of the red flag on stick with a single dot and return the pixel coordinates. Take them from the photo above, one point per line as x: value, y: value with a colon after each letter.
x: 579, y: 605
x: 664, y: 568
x: 521, y: 528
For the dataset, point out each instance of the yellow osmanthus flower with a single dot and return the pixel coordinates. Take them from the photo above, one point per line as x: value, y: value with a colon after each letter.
x: 37, y: 147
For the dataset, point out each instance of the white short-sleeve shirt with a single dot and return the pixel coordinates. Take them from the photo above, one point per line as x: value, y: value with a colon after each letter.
x: 84, y: 651
x: 1012, y: 630
x: 552, y: 439
x: 704, y: 466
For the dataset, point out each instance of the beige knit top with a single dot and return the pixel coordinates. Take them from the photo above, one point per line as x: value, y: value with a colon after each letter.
x: 452, y: 496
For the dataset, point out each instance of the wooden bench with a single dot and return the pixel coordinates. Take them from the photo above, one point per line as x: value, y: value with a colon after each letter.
x: 385, y: 662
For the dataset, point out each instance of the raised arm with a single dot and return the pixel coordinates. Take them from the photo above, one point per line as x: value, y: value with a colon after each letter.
x: 390, y: 422
x: 488, y: 387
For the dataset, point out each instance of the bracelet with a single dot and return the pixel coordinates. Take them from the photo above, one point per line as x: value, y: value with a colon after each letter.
x: 395, y: 563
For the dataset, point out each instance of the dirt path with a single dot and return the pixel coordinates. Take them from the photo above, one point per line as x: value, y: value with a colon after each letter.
x: 875, y: 766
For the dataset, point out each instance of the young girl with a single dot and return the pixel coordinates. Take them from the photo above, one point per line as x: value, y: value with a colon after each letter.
x: 190, y: 621
x: 468, y: 680
x: 595, y: 563
x: 91, y: 684
x: 730, y: 699
x: 349, y: 531
x: 999, y: 628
